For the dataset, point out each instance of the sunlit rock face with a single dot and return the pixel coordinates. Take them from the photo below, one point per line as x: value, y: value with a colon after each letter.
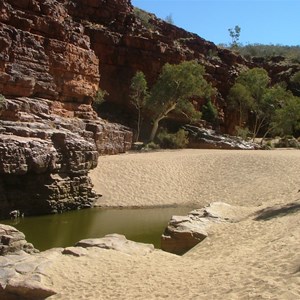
x: 50, y: 136
x: 126, y: 39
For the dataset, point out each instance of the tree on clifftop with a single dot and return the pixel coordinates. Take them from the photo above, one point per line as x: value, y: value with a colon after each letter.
x: 235, y: 35
x: 176, y: 85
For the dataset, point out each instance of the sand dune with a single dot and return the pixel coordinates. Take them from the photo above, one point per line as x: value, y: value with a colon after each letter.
x: 257, y: 258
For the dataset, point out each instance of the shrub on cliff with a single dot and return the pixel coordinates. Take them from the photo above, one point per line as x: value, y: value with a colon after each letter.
x: 295, y: 83
x: 210, y: 112
x: 144, y: 17
x: 99, y: 99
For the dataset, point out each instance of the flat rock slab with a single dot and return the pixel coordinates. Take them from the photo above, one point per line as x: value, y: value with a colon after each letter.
x: 24, y: 276
x: 28, y: 289
x: 119, y: 243
x: 185, y: 232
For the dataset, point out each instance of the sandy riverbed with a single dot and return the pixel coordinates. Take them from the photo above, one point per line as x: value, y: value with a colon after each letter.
x: 257, y: 258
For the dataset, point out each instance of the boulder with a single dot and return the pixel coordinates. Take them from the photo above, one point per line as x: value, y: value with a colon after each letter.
x: 30, y: 288
x: 12, y: 240
x: 44, y: 162
x: 23, y: 272
x: 185, y: 232
x: 203, y: 138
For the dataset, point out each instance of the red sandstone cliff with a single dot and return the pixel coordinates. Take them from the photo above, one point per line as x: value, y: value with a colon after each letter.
x: 126, y: 41
x: 50, y: 136
x: 124, y: 44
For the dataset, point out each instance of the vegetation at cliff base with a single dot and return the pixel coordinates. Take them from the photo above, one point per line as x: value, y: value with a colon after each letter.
x: 99, y: 99
x: 176, y: 140
x: 172, y: 93
x: 210, y: 112
x: 264, y: 107
x: 173, y: 90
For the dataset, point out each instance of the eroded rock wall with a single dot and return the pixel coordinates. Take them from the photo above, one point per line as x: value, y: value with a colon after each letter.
x: 50, y: 136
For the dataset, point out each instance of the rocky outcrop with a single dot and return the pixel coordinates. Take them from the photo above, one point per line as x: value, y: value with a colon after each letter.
x: 24, y: 274
x: 12, y: 240
x: 185, y: 232
x: 45, y: 157
x: 50, y: 136
x: 44, y: 53
x: 202, y: 138
x: 118, y: 242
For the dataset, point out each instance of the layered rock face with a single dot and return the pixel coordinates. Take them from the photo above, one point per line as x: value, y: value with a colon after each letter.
x: 50, y: 136
x: 126, y: 40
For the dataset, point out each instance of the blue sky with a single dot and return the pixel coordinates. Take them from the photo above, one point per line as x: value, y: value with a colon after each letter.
x: 261, y: 21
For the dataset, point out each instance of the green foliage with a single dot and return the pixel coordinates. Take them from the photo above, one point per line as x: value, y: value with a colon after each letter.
x: 139, y: 90
x: 176, y: 140
x: 151, y: 146
x: 295, y: 83
x: 176, y: 85
x: 286, y: 120
x: 290, y: 53
x: 296, y: 78
x: 288, y: 142
x: 251, y: 93
x: 99, y: 99
x: 144, y: 17
x: 239, y: 99
x: 210, y: 112
x: 235, y: 36
x: 242, y: 132
x: 255, y: 80
x: 139, y: 95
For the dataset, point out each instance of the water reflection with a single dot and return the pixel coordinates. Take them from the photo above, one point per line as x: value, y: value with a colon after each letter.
x: 61, y: 230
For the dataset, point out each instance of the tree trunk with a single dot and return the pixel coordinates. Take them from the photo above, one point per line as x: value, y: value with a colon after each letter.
x: 154, y: 129
x: 156, y: 121
x: 138, y: 126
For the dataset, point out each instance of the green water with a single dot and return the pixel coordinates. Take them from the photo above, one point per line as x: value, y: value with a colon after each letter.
x: 62, y: 230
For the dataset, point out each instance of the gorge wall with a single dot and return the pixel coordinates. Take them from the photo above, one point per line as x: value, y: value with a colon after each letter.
x: 50, y: 137
x: 126, y: 39
x: 52, y: 53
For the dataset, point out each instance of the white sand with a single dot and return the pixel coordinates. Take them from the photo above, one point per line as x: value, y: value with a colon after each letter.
x: 246, y: 260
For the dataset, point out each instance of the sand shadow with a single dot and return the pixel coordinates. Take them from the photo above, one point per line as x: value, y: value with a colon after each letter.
x: 277, y: 211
